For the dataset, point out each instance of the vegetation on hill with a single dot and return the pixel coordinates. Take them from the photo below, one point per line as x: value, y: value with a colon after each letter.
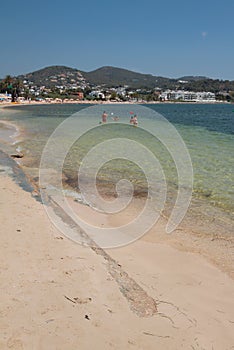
x: 112, y: 76
x: 54, y: 75
x: 62, y: 80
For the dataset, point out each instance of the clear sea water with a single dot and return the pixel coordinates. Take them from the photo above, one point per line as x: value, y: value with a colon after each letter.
x: 207, y: 131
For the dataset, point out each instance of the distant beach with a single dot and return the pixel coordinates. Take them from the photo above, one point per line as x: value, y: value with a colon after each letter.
x: 95, y: 102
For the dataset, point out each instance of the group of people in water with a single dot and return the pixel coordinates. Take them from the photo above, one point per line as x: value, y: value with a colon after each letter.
x: 133, y: 118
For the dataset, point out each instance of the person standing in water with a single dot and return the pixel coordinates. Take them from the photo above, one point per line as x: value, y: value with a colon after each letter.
x: 104, y: 117
x: 135, y: 121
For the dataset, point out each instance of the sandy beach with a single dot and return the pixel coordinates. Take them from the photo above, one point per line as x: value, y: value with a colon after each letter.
x: 117, y: 175
x: 97, y: 102
x: 160, y: 292
x: 56, y: 294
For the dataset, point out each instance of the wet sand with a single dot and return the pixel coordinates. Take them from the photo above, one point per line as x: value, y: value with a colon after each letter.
x: 8, y: 132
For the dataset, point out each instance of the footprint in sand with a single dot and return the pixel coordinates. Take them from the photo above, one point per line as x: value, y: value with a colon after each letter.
x: 14, y: 343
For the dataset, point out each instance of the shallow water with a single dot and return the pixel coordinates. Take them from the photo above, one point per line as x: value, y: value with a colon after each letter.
x: 207, y: 131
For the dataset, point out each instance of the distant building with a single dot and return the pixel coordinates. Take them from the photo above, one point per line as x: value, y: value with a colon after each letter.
x: 97, y: 94
x: 205, y: 96
x: 190, y: 96
x: 5, y: 97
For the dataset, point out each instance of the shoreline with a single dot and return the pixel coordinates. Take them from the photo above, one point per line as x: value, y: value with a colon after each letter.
x: 58, y: 292
x: 33, y: 103
x: 162, y: 291
x: 186, y: 234
x: 16, y: 133
x: 186, y: 237
x: 217, y: 250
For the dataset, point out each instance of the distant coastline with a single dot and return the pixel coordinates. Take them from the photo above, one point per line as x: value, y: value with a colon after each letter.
x: 64, y: 84
x: 54, y: 102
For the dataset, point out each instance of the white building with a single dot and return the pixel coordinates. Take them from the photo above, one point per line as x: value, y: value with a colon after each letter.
x: 205, y: 96
x: 97, y: 94
x: 5, y: 97
x: 171, y: 95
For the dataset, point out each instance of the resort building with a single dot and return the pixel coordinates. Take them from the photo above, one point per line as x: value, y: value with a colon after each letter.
x: 181, y: 95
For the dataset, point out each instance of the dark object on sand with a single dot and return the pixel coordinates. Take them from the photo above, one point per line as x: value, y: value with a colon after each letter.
x: 17, y: 155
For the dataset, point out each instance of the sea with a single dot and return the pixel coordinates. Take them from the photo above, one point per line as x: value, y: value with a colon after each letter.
x: 191, y: 143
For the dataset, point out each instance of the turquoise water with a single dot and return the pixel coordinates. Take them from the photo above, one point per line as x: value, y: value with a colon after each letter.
x: 207, y: 131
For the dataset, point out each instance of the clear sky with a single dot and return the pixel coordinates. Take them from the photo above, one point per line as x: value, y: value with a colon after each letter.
x: 170, y: 38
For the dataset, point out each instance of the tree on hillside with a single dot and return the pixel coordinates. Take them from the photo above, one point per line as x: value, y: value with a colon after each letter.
x: 11, y: 86
x: 6, y: 84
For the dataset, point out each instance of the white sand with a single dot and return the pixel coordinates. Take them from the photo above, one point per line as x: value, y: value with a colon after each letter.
x: 56, y: 294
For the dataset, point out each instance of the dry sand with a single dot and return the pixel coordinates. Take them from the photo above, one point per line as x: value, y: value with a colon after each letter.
x: 56, y: 294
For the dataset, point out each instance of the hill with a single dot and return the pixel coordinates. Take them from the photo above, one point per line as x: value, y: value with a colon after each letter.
x: 55, y: 76
x: 112, y: 76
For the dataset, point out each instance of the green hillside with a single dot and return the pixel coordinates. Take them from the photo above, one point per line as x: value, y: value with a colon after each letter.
x: 113, y: 76
x: 54, y: 75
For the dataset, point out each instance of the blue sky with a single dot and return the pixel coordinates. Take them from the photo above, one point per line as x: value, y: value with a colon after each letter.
x: 166, y: 38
